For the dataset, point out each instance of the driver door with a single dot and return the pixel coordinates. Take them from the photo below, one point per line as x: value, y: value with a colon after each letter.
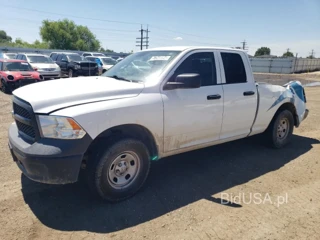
x: 193, y: 117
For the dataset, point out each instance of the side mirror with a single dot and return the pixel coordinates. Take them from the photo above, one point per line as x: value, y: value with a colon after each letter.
x: 185, y: 81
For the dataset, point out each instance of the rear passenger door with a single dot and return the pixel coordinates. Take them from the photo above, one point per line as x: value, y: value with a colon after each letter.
x: 240, y: 95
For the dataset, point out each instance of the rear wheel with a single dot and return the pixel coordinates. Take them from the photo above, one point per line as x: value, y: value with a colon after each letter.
x: 5, y: 87
x: 120, y: 171
x: 280, y: 130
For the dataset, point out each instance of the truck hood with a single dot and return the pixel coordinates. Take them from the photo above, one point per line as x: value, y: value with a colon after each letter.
x: 46, y: 97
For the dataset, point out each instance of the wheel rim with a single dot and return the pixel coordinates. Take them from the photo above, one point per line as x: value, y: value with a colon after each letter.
x: 70, y: 73
x: 283, y: 129
x: 124, y: 169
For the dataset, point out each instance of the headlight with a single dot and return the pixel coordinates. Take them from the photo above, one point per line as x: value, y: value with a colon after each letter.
x: 10, y: 78
x: 60, y: 127
x: 57, y: 69
x: 77, y: 66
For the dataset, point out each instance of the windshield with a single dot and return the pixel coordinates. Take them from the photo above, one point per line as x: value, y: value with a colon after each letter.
x: 17, y: 66
x: 108, y: 61
x: 98, y: 54
x: 136, y: 67
x: 75, y: 57
x: 39, y: 59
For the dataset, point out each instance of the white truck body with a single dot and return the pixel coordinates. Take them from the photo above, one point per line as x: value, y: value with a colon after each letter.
x: 175, y: 119
x: 179, y: 120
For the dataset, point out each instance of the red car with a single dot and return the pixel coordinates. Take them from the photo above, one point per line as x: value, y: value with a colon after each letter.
x: 16, y: 73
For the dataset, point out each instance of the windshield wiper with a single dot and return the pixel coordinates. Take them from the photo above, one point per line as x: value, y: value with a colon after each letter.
x: 119, y: 78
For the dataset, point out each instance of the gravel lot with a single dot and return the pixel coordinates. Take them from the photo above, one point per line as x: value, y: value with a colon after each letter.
x: 183, y: 194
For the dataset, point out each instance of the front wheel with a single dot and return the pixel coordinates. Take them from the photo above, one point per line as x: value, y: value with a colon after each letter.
x: 5, y: 87
x: 280, y: 130
x: 120, y: 171
x: 71, y: 73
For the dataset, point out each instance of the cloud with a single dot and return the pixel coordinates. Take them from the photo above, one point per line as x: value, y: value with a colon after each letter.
x: 177, y: 38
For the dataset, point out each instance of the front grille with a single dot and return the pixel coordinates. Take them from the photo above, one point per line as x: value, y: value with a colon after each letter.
x: 48, y: 69
x: 87, y: 65
x: 21, y: 111
x: 25, y: 119
x: 27, y: 81
x: 26, y: 129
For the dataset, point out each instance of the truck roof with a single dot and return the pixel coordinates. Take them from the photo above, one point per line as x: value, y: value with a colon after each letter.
x: 183, y: 48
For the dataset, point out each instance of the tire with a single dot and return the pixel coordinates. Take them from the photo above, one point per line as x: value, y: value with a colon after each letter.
x: 71, y: 73
x: 280, y: 130
x: 4, y: 87
x: 118, y: 172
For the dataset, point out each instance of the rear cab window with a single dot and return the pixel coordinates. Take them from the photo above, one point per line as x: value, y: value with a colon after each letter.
x: 234, y: 69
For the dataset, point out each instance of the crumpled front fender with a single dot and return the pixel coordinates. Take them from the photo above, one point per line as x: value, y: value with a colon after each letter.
x: 295, y: 94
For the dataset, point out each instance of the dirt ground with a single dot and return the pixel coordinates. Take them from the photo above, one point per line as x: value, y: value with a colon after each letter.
x: 185, y: 196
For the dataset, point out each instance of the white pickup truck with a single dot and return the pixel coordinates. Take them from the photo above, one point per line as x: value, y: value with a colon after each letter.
x: 153, y: 104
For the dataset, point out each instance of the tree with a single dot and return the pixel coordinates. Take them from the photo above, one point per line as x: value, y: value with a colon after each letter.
x: 288, y: 54
x: 65, y: 34
x: 311, y: 57
x: 4, y: 37
x: 262, y: 51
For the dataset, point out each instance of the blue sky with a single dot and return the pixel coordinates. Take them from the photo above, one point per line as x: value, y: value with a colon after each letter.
x: 278, y: 24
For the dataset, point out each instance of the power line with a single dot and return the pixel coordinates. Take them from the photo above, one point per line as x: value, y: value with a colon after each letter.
x: 189, y: 34
x: 59, y: 14
x: 122, y: 22
x: 105, y: 20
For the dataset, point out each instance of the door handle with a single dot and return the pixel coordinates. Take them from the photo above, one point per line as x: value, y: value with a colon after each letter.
x: 214, y: 97
x: 248, y: 93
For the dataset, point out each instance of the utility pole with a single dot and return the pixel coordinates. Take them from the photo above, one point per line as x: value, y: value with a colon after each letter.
x: 288, y: 49
x: 244, y: 45
x: 312, y: 53
x: 144, y: 41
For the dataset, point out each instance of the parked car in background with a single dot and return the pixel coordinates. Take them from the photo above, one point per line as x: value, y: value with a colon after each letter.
x: 95, y: 54
x: 119, y: 59
x: 41, y: 63
x: 54, y: 55
x: 73, y: 65
x: 105, y: 62
x: 16, y: 73
x: 9, y: 55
